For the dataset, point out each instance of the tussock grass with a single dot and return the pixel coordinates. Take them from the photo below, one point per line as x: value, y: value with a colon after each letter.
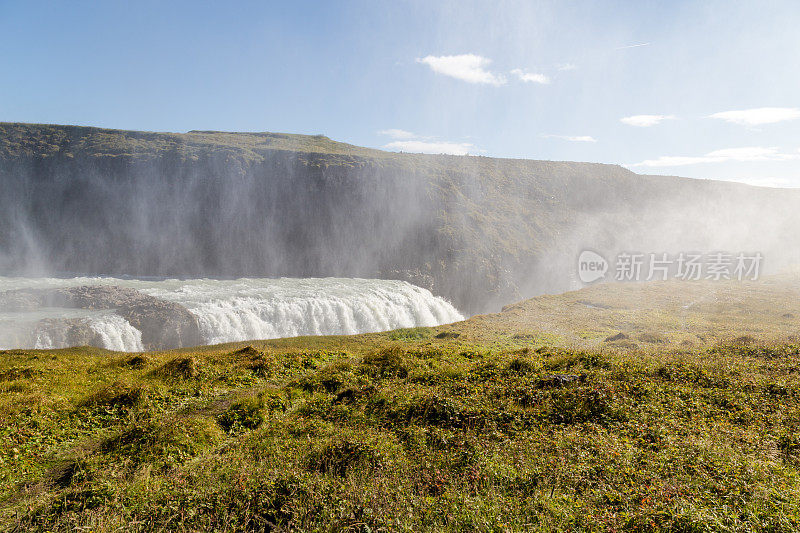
x: 180, y: 367
x: 493, y: 430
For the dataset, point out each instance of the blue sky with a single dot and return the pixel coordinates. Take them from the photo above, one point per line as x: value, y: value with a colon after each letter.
x: 706, y: 89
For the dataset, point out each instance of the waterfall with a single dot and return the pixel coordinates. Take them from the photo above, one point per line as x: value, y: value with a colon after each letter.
x: 235, y: 310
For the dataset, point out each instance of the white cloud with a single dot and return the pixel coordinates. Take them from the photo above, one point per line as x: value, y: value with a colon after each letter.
x: 466, y: 67
x: 567, y: 66
x: 530, y: 76
x: 761, y: 115
x: 645, y: 121
x: 406, y: 141
x: 673, y: 161
x: 638, y: 45
x: 432, y: 147
x: 573, y: 138
x: 751, y: 153
x: 779, y: 183
x: 397, y: 134
x: 744, y: 154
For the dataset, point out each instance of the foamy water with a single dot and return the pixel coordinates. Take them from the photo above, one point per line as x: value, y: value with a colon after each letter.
x: 244, y: 309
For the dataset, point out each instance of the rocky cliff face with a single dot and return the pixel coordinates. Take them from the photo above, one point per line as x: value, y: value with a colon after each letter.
x: 479, y: 231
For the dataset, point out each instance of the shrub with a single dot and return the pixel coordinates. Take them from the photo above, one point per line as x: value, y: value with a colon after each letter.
x: 572, y: 359
x: 386, y: 363
x: 68, y: 473
x: 180, y: 367
x: 577, y: 405
x: 118, y: 394
x: 342, y: 456
x: 434, y: 410
x: 692, y: 373
x: 163, y: 442
x: 137, y: 362
x: 353, y: 394
x: 789, y: 444
x: 244, y: 414
x: 652, y: 338
x: 521, y: 366
x: 328, y: 379
x: 80, y: 500
x: 258, y: 362
x: 409, y: 334
x: 321, y: 406
x: 17, y: 373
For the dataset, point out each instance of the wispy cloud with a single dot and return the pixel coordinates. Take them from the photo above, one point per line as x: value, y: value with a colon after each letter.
x: 645, y: 121
x: 397, y: 134
x: 567, y: 66
x: 572, y: 138
x: 637, y: 45
x: 782, y: 183
x: 758, y: 116
x: 466, y: 67
x: 744, y: 154
x: 531, y: 77
x: 406, y: 141
x: 432, y: 147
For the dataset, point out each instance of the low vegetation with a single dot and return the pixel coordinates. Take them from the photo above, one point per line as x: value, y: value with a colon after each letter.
x: 498, y: 428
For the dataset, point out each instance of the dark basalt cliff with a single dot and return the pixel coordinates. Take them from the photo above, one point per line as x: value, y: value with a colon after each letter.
x: 477, y: 230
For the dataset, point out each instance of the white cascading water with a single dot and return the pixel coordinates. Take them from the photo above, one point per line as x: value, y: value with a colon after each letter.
x: 25, y: 329
x: 116, y: 333
x: 245, y: 309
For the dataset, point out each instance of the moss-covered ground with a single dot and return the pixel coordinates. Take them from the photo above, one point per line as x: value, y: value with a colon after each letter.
x: 524, y: 420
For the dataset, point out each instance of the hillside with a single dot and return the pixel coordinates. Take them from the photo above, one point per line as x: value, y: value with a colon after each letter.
x: 672, y: 315
x: 480, y: 231
x: 529, y: 419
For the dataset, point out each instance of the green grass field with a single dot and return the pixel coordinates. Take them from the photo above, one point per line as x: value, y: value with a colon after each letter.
x: 529, y: 419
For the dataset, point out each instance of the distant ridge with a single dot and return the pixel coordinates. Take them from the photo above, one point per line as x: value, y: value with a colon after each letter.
x: 480, y: 231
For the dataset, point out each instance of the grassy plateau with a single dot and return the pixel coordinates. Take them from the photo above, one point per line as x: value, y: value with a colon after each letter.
x: 660, y: 406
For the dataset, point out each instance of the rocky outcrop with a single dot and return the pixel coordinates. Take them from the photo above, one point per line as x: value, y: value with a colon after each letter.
x: 164, y: 325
